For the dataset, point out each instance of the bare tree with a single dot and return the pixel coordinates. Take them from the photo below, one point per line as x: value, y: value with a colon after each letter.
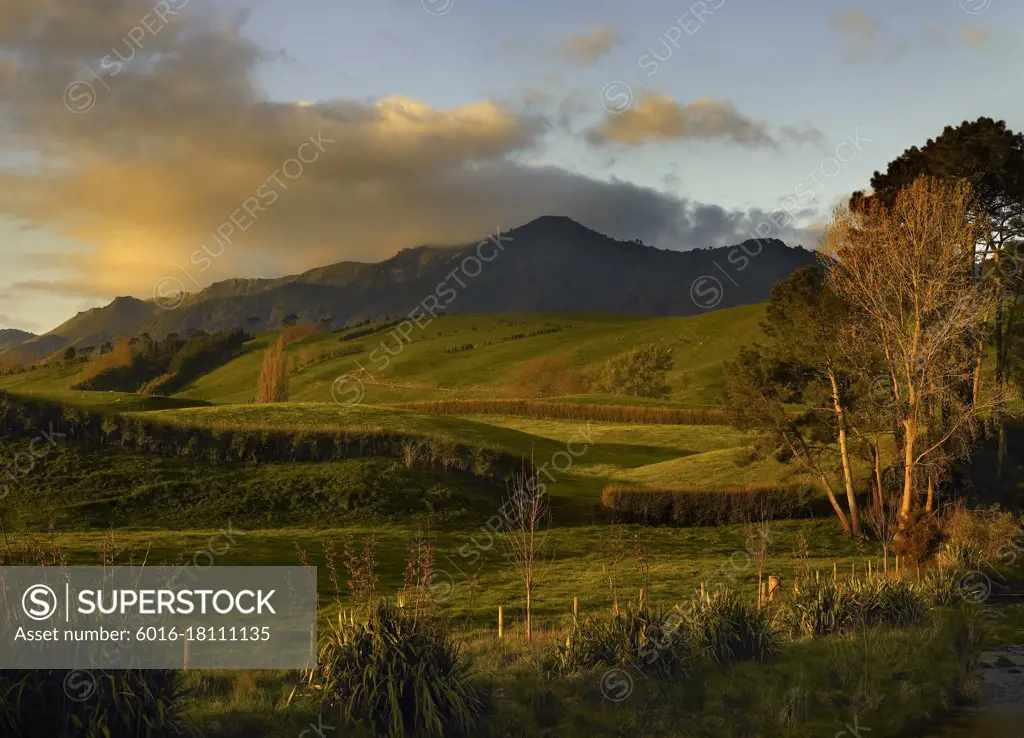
x: 908, y: 273
x: 882, y: 517
x: 759, y: 539
x: 529, y: 511
x: 272, y: 383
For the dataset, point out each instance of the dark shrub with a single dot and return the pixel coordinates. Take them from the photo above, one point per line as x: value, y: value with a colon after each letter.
x: 397, y: 675
x: 572, y: 411
x: 844, y: 606
x: 729, y: 631
x: 651, y: 643
x: 689, y: 507
x: 116, y: 704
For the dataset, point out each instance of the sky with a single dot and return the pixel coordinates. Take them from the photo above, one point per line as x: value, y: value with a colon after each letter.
x: 148, y: 147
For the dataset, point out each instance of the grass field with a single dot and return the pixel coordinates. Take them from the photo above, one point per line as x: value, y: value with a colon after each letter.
x: 83, y: 501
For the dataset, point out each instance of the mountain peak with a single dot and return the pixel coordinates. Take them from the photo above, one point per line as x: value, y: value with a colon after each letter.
x: 554, y: 222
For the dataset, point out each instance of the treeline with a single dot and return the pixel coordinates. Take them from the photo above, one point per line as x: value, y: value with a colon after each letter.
x: 163, y: 367
x: 570, y: 411
x: 686, y: 507
x: 21, y: 416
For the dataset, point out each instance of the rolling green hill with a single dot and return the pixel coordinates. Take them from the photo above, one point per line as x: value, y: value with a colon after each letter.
x: 437, y: 362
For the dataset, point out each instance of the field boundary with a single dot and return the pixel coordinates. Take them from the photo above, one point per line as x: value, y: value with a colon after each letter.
x: 635, y: 414
x: 21, y: 416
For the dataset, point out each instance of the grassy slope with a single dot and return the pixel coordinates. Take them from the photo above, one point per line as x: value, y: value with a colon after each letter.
x: 427, y: 372
x: 694, y: 456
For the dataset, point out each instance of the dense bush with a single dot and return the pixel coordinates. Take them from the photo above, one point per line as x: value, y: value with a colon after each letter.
x: 979, y: 538
x: 820, y: 608
x: 22, y: 416
x: 198, y: 356
x: 642, y: 640
x: 398, y: 675
x: 120, y: 704
x: 691, y: 507
x: 729, y: 631
x: 635, y: 414
x: 160, y: 367
x: 640, y: 371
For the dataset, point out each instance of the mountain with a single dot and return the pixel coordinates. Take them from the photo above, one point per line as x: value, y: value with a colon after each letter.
x: 10, y: 337
x: 90, y: 328
x: 552, y: 264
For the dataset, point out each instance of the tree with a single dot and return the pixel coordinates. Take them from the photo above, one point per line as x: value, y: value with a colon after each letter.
x: 759, y: 388
x: 106, y: 347
x: 904, y: 272
x: 809, y: 325
x: 524, y: 542
x: 882, y: 517
x: 253, y: 320
x: 290, y: 319
x: 70, y: 353
x: 272, y: 382
x: 640, y: 372
x: 990, y: 157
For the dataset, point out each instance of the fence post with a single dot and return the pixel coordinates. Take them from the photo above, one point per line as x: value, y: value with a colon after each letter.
x: 773, y: 587
x: 575, y: 608
x: 185, y: 665
x: 501, y: 622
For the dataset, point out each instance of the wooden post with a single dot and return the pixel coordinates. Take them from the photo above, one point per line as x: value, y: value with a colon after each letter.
x: 869, y: 568
x: 817, y: 575
x: 835, y: 571
x: 897, y: 564
x: 643, y: 596
x: 575, y: 608
x: 773, y: 587
x: 853, y: 571
x: 185, y: 665
x: 501, y: 622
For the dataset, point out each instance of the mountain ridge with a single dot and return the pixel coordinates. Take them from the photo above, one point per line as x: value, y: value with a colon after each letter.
x: 551, y: 264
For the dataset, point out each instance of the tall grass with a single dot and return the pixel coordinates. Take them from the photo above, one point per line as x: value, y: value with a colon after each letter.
x: 728, y: 631
x: 636, y: 414
x: 676, y: 506
x: 121, y: 704
x: 820, y: 608
x: 398, y: 675
x: 650, y: 642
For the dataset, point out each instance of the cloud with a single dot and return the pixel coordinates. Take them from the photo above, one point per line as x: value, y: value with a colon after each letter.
x: 588, y: 47
x: 975, y: 35
x: 864, y: 40
x: 660, y: 118
x: 6, y: 321
x: 180, y: 143
x: 859, y: 30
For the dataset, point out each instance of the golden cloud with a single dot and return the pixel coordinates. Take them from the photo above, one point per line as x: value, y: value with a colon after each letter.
x: 660, y: 118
